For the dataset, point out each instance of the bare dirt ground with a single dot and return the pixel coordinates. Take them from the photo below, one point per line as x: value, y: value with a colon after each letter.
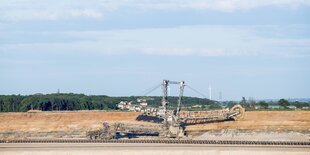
x: 264, y: 120
x: 62, y: 124
x: 60, y: 121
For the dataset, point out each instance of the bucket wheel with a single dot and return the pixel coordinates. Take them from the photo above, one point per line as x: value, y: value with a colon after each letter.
x: 240, y: 110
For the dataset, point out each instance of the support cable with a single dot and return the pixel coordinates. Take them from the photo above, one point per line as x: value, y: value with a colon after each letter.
x: 196, y: 91
x: 150, y: 90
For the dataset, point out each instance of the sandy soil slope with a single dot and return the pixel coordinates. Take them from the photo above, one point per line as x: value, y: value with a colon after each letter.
x: 60, y: 121
x: 264, y: 120
x: 80, y: 122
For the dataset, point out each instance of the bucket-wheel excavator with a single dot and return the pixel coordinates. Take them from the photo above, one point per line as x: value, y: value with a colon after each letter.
x: 173, y: 122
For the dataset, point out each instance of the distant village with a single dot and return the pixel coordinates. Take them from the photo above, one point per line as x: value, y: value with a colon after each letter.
x: 141, y: 105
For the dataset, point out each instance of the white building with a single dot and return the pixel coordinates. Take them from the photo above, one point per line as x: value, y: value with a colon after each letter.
x: 124, y: 105
x: 143, y: 104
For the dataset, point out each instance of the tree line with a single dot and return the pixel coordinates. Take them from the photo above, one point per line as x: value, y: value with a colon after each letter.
x: 282, y: 103
x: 70, y: 101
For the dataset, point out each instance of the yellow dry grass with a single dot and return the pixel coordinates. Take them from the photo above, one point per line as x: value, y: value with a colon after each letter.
x: 264, y: 120
x: 91, y: 120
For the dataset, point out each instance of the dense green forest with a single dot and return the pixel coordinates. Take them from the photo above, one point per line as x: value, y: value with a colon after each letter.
x: 60, y: 101
x: 64, y: 102
x: 281, y: 104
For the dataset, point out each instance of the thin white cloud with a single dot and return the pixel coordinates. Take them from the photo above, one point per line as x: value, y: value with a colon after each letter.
x: 49, y: 15
x: 86, y: 13
x: 25, y: 10
x: 169, y: 51
x: 206, y: 52
x: 208, y: 41
x: 92, y: 47
x: 22, y: 62
x: 219, y: 5
x: 47, y: 10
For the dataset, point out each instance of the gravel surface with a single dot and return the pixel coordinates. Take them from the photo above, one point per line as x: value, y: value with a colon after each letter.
x: 232, y: 134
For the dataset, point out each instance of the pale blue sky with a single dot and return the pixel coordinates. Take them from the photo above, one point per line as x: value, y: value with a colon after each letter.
x: 257, y: 48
